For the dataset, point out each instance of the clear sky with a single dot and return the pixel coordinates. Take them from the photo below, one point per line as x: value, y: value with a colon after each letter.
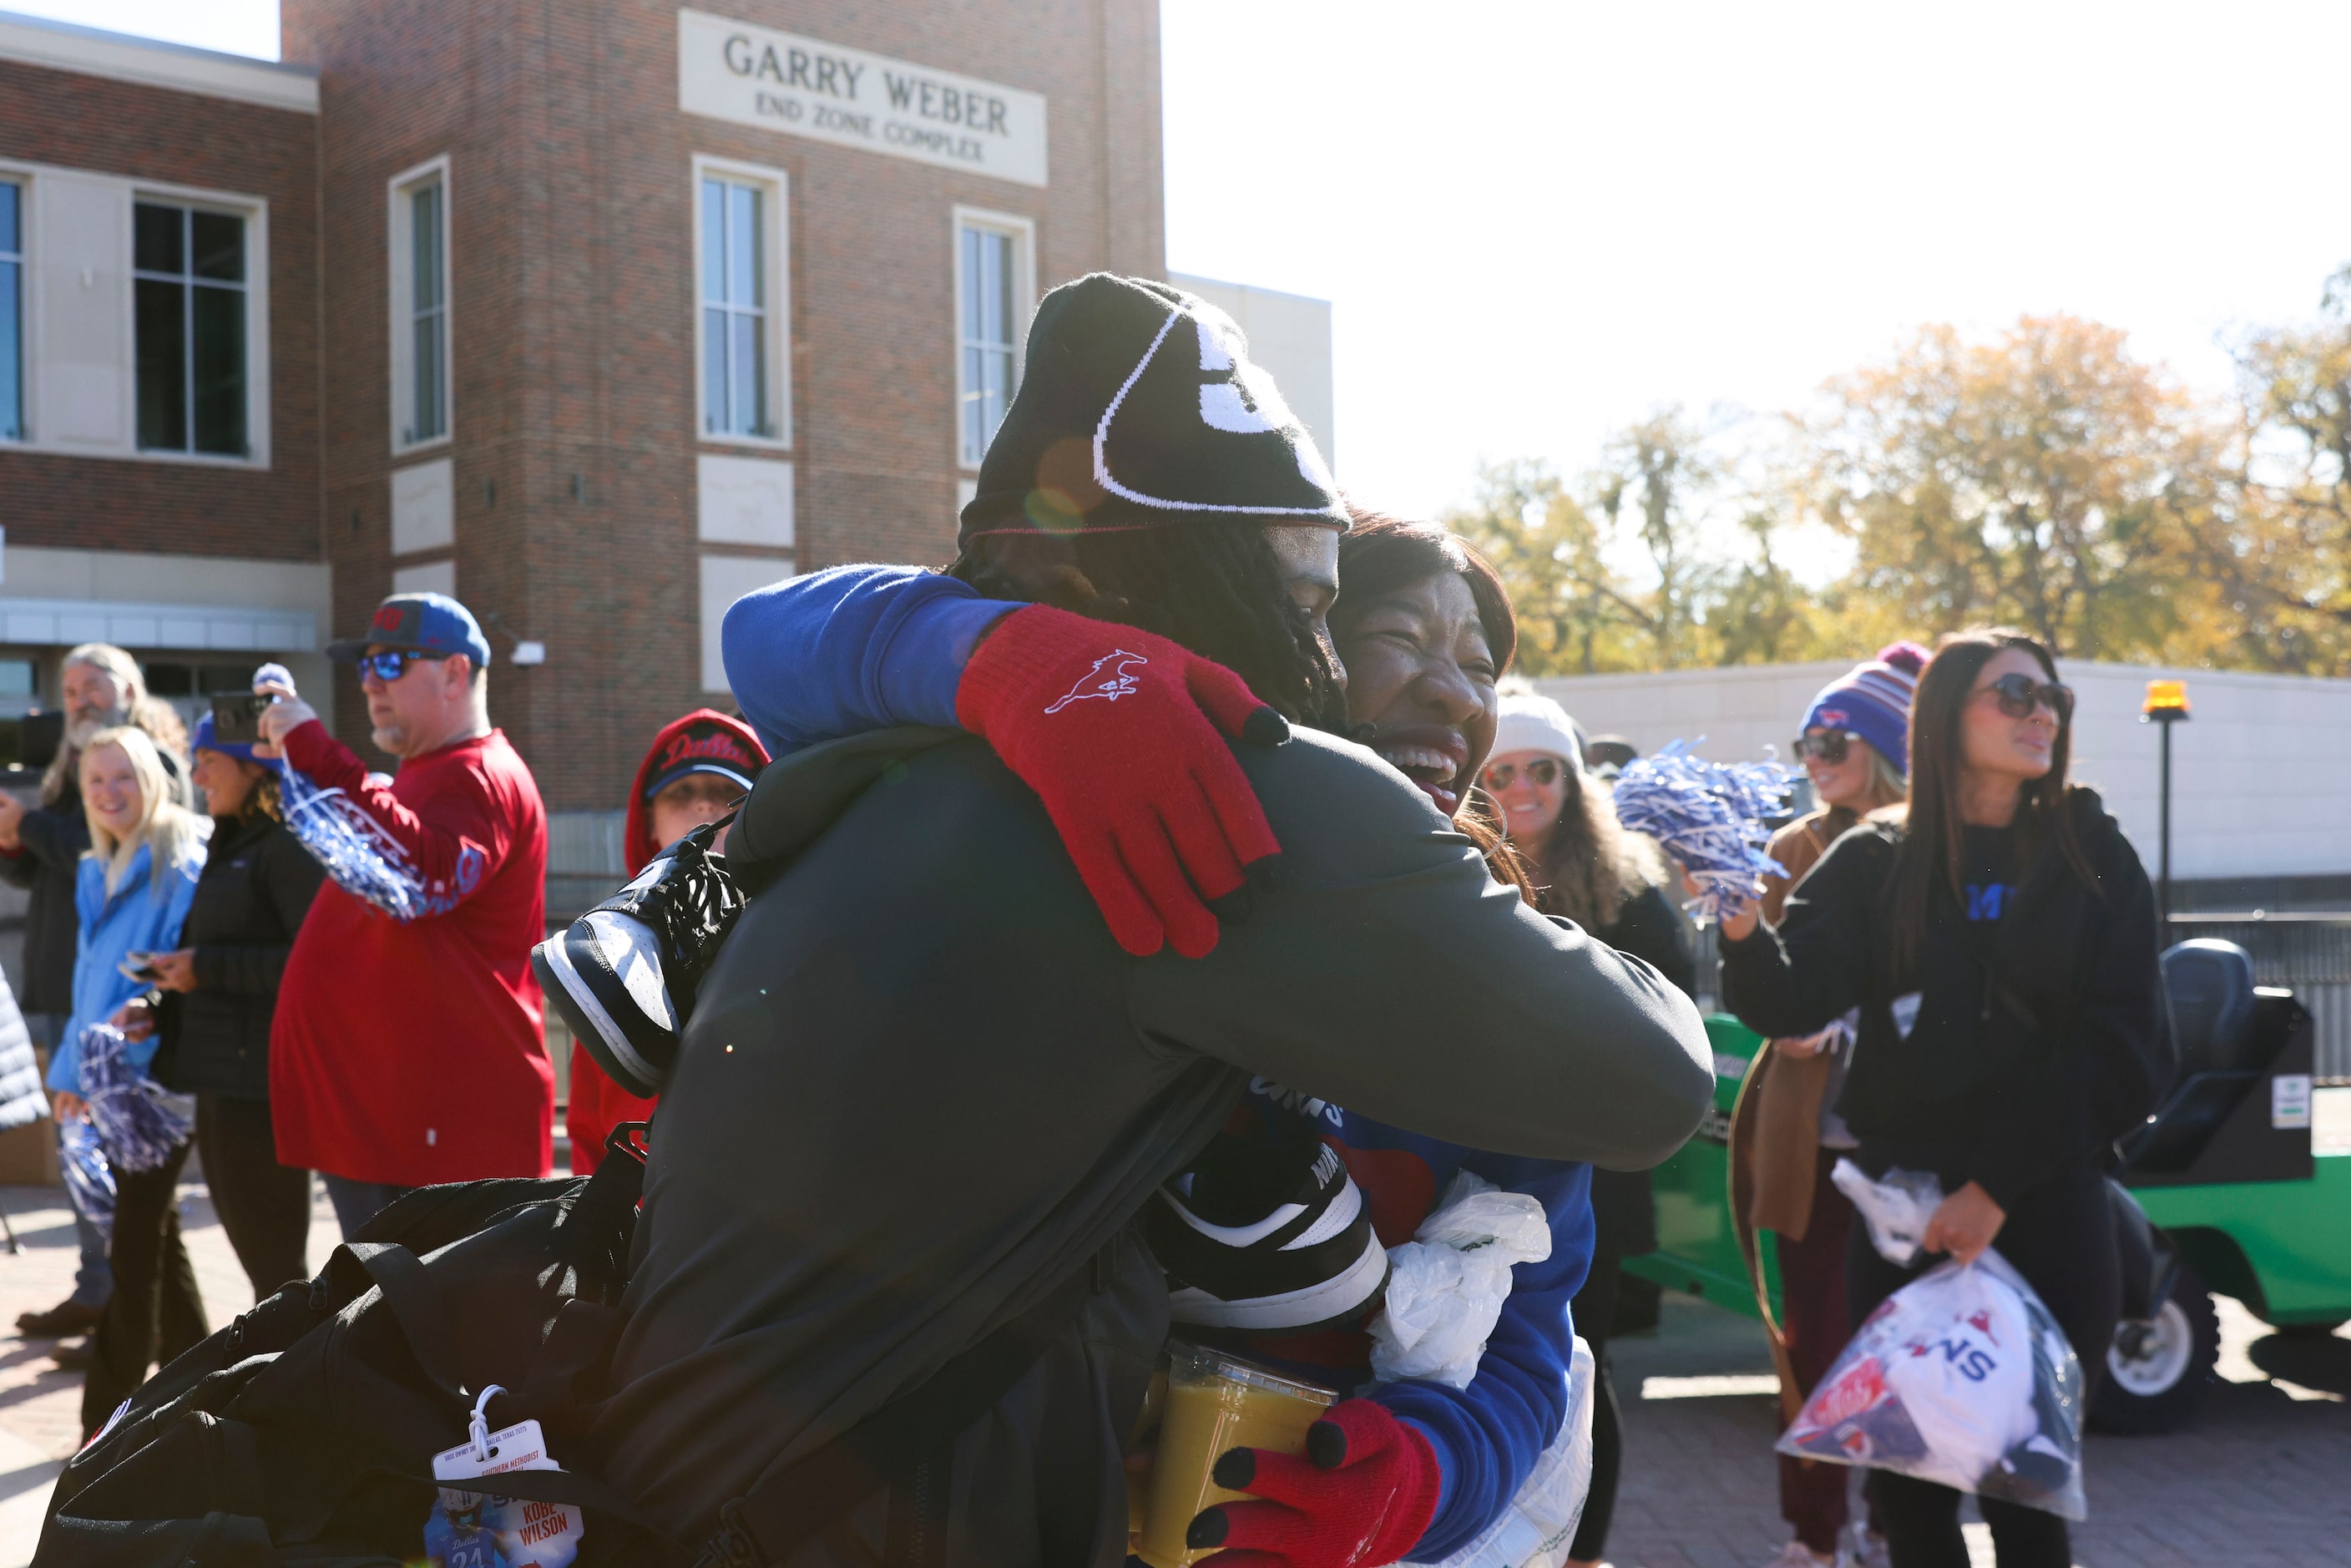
x: 1537, y: 221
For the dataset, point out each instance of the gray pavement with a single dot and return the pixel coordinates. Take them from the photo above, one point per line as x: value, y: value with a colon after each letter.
x: 2260, y: 1481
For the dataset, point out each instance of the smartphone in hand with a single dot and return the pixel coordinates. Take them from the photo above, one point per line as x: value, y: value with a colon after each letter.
x: 139, y: 966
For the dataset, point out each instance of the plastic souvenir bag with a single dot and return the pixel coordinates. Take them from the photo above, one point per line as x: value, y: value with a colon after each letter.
x: 1897, y: 1207
x: 1447, y: 1285
x: 1537, y: 1528
x: 1960, y: 1378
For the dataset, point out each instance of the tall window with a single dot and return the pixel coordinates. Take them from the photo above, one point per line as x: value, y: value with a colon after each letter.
x: 419, y: 305
x: 734, y: 309
x: 188, y: 306
x: 992, y: 288
x: 428, y: 315
x: 12, y: 311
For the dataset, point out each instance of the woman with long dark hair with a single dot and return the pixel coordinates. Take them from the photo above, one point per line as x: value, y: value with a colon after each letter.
x: 1999, y: 938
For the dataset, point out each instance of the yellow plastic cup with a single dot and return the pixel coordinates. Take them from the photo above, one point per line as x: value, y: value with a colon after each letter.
x: 1216, y: 1403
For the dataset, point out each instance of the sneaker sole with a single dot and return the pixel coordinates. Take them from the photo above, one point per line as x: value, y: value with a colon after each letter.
x: 591, y: 1025
x: 1313, y: 1306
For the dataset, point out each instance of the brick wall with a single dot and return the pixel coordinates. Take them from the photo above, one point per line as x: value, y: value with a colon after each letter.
x: 78, y: 122
x: 572, y: 311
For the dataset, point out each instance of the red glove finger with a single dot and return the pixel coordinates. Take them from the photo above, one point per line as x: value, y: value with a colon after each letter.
x: 1133, y: 924
x: 1107, y: 724
x: 1144, y: 849
x: 1363, y: 1495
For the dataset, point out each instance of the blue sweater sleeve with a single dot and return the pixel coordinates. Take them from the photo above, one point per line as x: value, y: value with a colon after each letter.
x: 1486, y: 1436
x: 850, y: 649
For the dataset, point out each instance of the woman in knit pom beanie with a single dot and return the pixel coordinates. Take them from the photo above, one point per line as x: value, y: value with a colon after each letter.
x: 1855, y: 748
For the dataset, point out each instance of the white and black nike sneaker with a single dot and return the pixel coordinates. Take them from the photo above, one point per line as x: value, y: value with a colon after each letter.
x: 1308, y: 1260
x: 624, y: 974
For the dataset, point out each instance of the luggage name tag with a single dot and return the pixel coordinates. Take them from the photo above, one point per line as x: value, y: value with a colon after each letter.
x: 482, y: 1530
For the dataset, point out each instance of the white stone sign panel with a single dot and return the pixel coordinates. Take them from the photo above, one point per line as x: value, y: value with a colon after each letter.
x: 803, y: 87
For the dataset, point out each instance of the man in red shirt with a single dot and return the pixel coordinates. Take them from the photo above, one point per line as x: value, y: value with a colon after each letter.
x: 409, y: 1051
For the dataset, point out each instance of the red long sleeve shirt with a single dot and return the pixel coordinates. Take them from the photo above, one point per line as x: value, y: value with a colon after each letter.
x: 413, y: 1053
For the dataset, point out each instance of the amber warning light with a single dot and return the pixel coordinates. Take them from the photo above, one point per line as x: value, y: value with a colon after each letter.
x: 2166, y: 701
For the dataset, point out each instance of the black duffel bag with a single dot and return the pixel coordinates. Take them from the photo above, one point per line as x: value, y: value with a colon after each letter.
x: 304, y: 1432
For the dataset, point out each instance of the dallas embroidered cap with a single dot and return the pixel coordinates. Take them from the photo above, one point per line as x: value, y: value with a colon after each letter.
x: 708, y: 747
x: 1139, y: 407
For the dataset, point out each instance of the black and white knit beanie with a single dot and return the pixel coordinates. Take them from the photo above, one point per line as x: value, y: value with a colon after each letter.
x: 1138, y: 407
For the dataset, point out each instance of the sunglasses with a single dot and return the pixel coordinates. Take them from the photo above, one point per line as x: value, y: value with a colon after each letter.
x: 1829, y: 746
x: 390, y: 667
x: 1543, y: 773
x: 2020, y: 696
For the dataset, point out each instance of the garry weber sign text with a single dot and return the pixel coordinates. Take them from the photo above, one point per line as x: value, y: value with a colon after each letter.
x: 782, y: 81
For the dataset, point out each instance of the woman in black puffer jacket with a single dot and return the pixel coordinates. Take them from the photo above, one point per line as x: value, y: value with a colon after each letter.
x: 219, y: 990
x: 1999, y: 938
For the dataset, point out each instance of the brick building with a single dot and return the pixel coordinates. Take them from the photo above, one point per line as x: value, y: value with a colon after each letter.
x: 595, y: 312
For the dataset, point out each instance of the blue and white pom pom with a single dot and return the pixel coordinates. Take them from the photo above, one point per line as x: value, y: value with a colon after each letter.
x: 134, y: 1120
x: 1710, y: 816
x: 89, y: 1180
x: 358, y: 856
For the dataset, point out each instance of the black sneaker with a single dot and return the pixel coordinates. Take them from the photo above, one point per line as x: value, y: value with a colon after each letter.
x: 624, y: 974
x: 1309, y: 1259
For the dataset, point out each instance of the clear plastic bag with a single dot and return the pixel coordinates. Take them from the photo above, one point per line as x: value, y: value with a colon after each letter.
x: 1897, y: 1206
x: 1536, y: 1530
x: 1961, y: 1377
x: 1447, y: 1285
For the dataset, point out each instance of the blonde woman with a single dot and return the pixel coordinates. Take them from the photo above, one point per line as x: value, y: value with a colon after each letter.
x: 132, y: 896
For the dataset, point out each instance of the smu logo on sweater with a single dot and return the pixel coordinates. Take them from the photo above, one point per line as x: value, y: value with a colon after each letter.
x: 1110, y: 687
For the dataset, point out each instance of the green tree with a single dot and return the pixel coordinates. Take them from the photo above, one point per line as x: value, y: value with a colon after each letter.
x: 2042, y: 480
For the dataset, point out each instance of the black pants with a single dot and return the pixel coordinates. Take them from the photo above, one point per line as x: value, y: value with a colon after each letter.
x: 2061, y: 1237
x: 265, y: 1206
x: 1594, y: 1310
x: 155, y: 1313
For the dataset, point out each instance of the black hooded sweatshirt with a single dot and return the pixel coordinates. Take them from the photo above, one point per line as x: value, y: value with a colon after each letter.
x: 922, y: 1084
x: 2040, y: 1035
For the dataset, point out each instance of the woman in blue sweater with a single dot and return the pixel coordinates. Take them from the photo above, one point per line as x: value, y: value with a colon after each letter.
x: 1425, y: 631
x: 131, y: 894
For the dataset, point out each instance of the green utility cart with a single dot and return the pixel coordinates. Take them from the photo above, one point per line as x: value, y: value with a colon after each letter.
x: 2228, y: 1169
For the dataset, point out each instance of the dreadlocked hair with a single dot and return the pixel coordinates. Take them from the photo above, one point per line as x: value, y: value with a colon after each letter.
x: 1213, y: 586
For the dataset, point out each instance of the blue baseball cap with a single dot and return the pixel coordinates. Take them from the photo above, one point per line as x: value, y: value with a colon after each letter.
x: 429, y: 622
x: 205, y: 740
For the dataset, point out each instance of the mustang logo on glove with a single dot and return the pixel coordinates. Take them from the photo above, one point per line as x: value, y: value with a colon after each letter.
x: 1121, y: 682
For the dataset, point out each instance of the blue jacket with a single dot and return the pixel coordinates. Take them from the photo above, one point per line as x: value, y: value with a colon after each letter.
x: 131, y: 919
x: 859, y: 647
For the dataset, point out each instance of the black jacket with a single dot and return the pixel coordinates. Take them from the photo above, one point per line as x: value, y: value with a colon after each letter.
x: 1624, y: 1208
x: 2017, y: 1071
x: 922, y: 1084
x: 257, y: 884
x: 54, y: 838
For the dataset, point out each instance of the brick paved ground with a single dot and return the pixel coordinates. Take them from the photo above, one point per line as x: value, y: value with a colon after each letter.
x: 2260, y: 1480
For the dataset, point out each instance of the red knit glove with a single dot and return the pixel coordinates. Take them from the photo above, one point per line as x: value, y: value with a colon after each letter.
x: 1116, y: 730
x: 1365, y: 1498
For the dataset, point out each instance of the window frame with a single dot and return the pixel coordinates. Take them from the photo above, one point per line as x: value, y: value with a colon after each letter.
x: 254, y: 212
x: 1022, y: 231
x: 23, y: 370
x: 775, y: 188
x: 399, y: 297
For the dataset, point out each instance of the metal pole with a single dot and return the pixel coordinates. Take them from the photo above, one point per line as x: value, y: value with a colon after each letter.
x: 2163, y: 894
